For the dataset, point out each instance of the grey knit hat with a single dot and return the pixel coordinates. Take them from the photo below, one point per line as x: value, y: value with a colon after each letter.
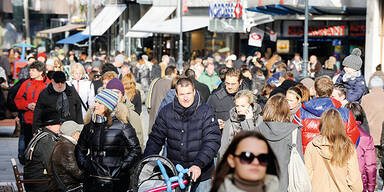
x: 353, y: 60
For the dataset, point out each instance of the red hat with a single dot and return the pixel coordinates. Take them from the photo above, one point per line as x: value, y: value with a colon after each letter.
x: 42, y: 55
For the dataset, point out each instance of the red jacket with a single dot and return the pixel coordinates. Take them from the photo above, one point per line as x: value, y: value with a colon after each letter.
x: 28, y: 93
x: 309, y: 114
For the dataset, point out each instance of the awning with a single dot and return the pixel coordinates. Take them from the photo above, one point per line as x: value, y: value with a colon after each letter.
x: 190, y: 23
x: 154, y: 16
x: 73, y: 38
x: 105, y: 19
x: 63, y: 28
x: 172, y: 26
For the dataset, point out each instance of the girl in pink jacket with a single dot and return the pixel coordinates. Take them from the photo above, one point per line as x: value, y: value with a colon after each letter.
x: 366, y: 155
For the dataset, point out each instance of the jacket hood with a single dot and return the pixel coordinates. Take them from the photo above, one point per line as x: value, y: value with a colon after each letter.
x: 120, y: 113
x: 322, y: 146
x: 276, y: 131
x: 319, y: 105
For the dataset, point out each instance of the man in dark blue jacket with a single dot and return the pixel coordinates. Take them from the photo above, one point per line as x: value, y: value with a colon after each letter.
x: 192, y: 133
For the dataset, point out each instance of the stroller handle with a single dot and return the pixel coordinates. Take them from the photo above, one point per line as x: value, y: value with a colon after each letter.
x: 164, y: 187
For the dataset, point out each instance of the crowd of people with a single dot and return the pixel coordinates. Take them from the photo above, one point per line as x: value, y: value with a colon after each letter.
x: 236, y: 124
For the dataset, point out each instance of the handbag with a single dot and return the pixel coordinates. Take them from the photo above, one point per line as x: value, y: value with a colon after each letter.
x: 331, y: 173
x: 298, y: 178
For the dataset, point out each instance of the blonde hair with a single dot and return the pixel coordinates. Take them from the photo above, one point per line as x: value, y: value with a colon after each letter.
x: 245, y: 93
x: 340, y: 145
x: 57, y: 64
x: 77, y: 67
x: 109, y: 75
x: 277, y: 109
x: 330, y: 62
x: 129, y: 83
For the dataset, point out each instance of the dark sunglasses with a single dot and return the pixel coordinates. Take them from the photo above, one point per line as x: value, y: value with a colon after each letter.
x: 248, y: 157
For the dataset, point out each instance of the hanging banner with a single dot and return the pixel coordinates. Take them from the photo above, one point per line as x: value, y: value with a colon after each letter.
x: 272, y: 35
x: 256, y: 37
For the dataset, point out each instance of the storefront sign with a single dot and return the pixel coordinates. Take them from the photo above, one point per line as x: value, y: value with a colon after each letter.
x: 226, y: 9
x: 338, y: 31
x: 357, y: 30
x: 282, y: 46
x: 256, y: 37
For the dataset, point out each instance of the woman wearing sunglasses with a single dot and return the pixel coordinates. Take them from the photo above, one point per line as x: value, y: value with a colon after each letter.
x: 278, y: 130
x: 331, y: 158
x: 248, y: 165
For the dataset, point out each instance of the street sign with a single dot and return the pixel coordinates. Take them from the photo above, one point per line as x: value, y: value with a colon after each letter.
x: 256, y: 37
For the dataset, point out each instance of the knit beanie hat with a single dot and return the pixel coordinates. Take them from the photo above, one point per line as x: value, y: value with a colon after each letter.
x: 308, y: 83
x: 108, y: 98
x: 116, y: 84
x: 353, y: 60
x: 376, y: 82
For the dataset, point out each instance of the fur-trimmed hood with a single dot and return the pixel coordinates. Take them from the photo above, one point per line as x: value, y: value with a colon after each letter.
x: 120, y: 112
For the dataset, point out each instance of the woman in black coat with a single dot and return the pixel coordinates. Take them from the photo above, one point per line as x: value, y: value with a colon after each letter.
x: 107, y: 147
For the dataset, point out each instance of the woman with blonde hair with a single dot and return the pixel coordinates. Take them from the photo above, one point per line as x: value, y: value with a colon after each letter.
x: 331, y: 158
x: 278, y: 129
x: 84, y: 88
x: 242, y: 117
x: 131, y: 92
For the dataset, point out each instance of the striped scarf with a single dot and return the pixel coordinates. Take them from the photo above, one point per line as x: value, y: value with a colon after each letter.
x: 98, y: 118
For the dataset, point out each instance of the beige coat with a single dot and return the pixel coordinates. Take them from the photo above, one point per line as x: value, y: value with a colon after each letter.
x: 373, y: 106
x: 347, y: 177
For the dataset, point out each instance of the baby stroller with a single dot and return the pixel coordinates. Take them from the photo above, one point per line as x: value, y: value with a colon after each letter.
x: 157, y: 173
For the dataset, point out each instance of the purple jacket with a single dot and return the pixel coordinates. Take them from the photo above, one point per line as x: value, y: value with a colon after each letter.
x: 367, y: 159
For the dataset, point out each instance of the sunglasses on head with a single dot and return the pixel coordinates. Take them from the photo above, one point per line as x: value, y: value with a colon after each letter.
x: 248, y: 157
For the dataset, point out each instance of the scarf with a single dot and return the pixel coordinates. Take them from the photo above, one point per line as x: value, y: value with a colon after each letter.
x: 62, y: 106
x: 352, y: 76
x: 98, y: 118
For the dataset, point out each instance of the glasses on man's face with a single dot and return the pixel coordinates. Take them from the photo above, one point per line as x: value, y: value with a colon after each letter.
x: 248, y: 157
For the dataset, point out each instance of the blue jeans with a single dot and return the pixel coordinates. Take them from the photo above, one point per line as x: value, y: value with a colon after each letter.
x: 21, y: 144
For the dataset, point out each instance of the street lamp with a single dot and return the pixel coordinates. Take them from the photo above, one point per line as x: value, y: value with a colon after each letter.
x: 180, y: 59
x: 304, y: 73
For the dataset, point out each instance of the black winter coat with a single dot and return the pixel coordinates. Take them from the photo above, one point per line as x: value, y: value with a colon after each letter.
x: 113, y: 151
x: 37, y: 167
x: 222, y: 102
x: 64, y: 162
x: 203, y: 90
x: 46, y: 106
x: 192, y: 134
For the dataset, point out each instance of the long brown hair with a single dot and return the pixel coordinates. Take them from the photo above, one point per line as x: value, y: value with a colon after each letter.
x: 129, y: 83
x: 332, y: 128
x: 304, y: 91
x: 223, y: 168
x: 277, y: 109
